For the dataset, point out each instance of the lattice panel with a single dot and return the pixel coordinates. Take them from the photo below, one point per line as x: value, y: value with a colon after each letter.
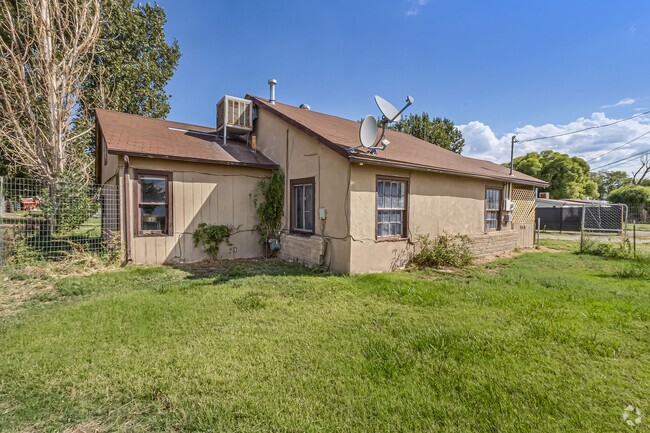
x: 524, y: 201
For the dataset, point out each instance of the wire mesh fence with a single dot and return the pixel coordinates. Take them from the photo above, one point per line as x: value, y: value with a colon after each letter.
x: 52, y: 221
x: 639, y: 213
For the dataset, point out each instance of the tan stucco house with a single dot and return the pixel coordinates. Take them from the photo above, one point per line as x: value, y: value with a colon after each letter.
x: 352, y: 212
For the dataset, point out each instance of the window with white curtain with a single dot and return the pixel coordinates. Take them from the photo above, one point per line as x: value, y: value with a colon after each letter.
x: 391, y: 208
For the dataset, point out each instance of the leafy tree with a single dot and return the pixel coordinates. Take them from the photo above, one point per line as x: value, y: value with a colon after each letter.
x: 610, y: 180
x: 67, y: 205
x: 630, y: 194
x: 132, y: 66
x: 568, y: 177
x: 439, y: 131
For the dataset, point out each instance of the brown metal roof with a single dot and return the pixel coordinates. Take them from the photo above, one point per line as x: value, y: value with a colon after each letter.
x: 404, y: 150
x: 128, y: 134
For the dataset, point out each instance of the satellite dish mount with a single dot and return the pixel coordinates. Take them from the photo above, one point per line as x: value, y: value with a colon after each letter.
x: 370, y: 126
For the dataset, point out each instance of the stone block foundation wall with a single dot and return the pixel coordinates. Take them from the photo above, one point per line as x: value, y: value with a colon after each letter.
x: 308, y: 250
x: 492, y: 243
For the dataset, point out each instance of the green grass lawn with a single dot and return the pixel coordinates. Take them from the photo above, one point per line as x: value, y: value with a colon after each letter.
x: 639, y: 226
x: 543, y: 342
x: 642, y: 247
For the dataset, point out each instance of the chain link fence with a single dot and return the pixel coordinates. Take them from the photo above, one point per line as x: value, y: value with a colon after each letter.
x: 594, y: 217
x: 609, y: 218
x: 51, y: 222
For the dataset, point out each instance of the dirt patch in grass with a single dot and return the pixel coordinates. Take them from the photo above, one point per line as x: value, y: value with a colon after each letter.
x: 239, y: 268
x: 515, y: 253
x: 37, y: 281
x: 16, y: 293
x: 86, y: 427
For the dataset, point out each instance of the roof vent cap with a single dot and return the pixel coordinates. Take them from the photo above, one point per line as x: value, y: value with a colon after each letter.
x: 305, y: 107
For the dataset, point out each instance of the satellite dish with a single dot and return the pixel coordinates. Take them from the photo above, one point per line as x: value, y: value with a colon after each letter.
x: 391, y: 114
x: 369, y: 126
x: 368, y: 131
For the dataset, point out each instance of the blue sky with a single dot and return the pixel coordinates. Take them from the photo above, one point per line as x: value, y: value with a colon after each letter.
x: 493, y: 67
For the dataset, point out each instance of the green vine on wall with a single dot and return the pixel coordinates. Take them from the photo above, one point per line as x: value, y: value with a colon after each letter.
x: 210, y: 236
x: 269, y: 205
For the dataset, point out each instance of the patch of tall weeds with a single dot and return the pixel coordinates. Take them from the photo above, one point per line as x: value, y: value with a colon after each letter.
x: 609, y: 250
x: 442, y: 251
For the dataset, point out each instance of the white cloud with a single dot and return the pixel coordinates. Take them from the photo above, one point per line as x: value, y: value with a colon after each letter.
x: 415, y: 7
x: 624, y: 101
x: 481, y: 142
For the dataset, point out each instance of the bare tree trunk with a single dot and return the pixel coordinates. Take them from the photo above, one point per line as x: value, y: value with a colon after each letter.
x: 643, y: 171
x: 46, y: 49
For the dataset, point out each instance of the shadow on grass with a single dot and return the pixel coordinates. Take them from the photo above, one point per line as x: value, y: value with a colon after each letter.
x: 223, y: 271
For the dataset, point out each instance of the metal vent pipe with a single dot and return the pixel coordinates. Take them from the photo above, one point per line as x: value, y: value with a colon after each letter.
x: 272, y: 84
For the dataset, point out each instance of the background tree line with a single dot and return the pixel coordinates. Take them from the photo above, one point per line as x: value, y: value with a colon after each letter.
x: 570, y: 177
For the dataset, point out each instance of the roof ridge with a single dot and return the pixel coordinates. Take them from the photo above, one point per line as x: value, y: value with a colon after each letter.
x: 267, y: 102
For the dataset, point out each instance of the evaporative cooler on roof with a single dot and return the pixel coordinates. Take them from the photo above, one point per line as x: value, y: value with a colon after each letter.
x: 234, y: 116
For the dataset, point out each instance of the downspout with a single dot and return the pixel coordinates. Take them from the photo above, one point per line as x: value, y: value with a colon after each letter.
x: 127, y: 209
x: 287, y: 189
x: 321, y: 222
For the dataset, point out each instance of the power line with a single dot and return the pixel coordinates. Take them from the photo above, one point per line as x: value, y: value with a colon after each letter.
x: 616, y: 148
x: 585, y: 129
x: 623, y: 160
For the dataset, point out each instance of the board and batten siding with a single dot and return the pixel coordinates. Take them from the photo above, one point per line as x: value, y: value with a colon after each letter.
x: 201, y: 193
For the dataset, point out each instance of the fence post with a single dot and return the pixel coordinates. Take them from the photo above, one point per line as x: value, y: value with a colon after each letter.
x: 2, y: 212
x: 582, y: 228
x: 634, y: 238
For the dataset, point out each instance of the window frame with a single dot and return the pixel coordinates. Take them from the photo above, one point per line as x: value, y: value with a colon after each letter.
x: 292, y: 205
x: 138, y: 175
x: 405, y: 217
x: 486, y: 210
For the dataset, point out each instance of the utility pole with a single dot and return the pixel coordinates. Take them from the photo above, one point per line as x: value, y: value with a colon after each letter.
x: 512, y: 155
